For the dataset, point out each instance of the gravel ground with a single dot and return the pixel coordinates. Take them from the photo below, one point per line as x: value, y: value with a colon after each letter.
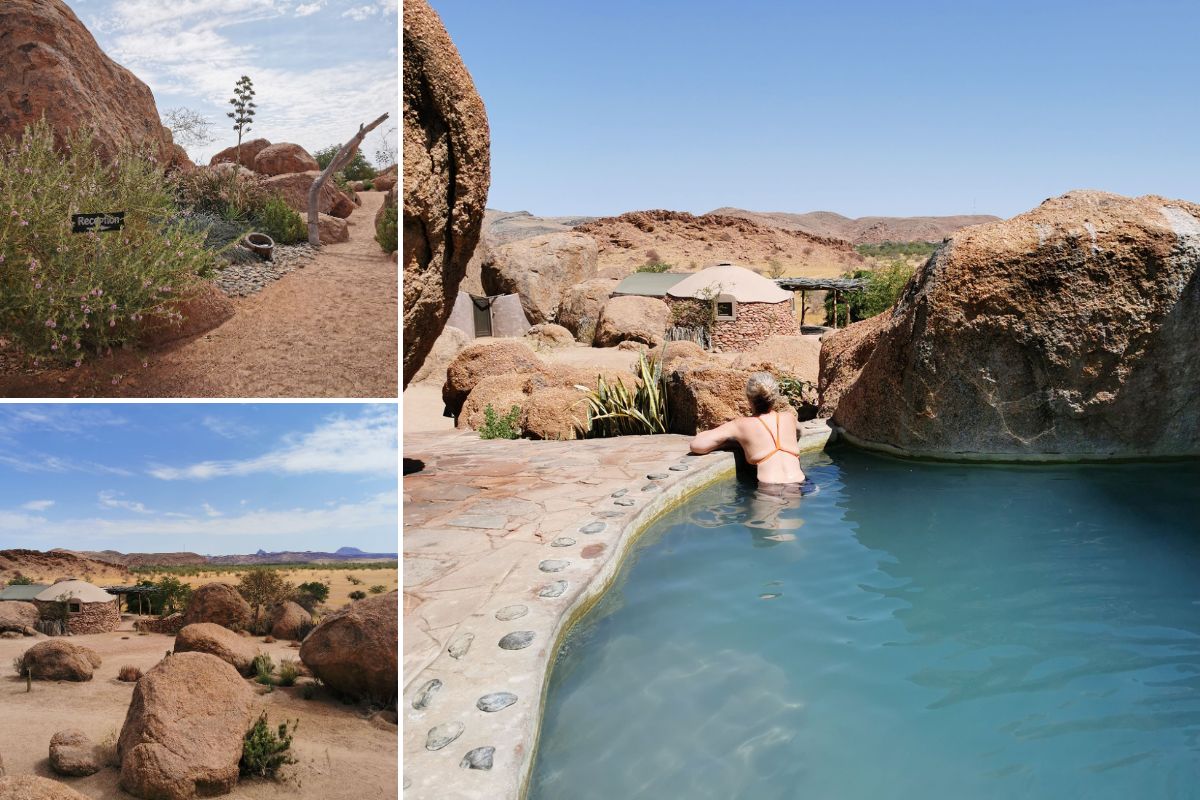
x: 240, y: 280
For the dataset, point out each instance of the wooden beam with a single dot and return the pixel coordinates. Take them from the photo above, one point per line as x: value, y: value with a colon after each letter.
x: 340, y: 160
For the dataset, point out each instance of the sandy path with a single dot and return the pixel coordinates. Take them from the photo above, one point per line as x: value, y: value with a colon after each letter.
x: 341, y: 754
x: 327, y: 330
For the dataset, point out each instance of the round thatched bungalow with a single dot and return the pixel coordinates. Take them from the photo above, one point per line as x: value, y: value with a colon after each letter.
x: 749, y: 307
x: 90, y: 609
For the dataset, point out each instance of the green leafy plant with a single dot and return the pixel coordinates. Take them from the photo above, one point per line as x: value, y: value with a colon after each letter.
x: 616, y: 410
x: 281, y: 222
x: 386, y: 228
x: 309, y: 690
x: 264, y: 669
x: 497, y: 427
x: 378, y: 588
x: 243, y: 109
x: 358, y: 594
x: 357, y: 170
x: 265, y: 751
x: 658, y: 266
x: 884, y: 287
x: 228, y: 193
x: 20, y: 580
x: 264, y: 587
x: 289, y: 670
x: 64, y: 296
x: 309, y: 595
x: 800, y: 394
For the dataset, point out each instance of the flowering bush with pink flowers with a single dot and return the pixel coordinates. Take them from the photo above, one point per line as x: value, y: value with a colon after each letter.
x: 67, y: 296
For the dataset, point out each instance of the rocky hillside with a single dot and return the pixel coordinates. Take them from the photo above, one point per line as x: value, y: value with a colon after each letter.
x: 113, y: 557
x: 863, y: 230
x: 688, y: 242
x: 47, y: 567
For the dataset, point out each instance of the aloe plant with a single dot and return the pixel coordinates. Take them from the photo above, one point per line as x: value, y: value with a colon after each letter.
x: 616, y: 410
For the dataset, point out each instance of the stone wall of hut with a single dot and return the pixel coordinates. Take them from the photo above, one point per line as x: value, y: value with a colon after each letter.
x: 170, y: 624
x: 91, y: 618
x: 751, y: 325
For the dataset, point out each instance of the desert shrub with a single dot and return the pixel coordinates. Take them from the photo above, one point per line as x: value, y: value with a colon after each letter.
x: 129, y: 674
x: 893, y: 250
x: 281, y: 222
x: 227, y: 193
x: 18, y: 663
x: 309, y: 595
x: 264, y: 668
x: 368, y: 186
x: 800, y: 394
x: 359, y: 169
x: 221, y: 236
x: 354, y: 579
x: 386, y: 229
x: 884, y: 286
x: 289, y: 670
x: 62, y: 295
x: 264, y: 751
x: 498, y: 427
x: 358, y: 594
x: 615, y: 410
x: 656, y: 266
x: 20, y: 580
x: 309, y: 690
x: 264, y: 587
x: 378, y: 589
x: 107, y: 749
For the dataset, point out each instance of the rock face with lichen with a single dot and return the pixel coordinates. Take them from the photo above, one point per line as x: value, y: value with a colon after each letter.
x: 51, y: 66
x: 1068, y: 331
x: 446, y: 178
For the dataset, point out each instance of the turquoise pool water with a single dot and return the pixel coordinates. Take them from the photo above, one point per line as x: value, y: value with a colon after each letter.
x: 910, y: 630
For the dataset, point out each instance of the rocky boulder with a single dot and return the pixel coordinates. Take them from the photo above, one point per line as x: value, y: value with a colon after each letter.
x: 579, y: 311
x: 59, y: 660
x: 16, y: 615
x: 446, y: 178
x: 219, y: 603
x: 671, y: 353
x: 208, y: 637
x: 797, y: 356
x: 540, y: 270
x: 244, y: 156
x: 482, y: 359
x: 31, y: 787
x: 447, y: 346
x: 51, y: 67
x: 1066, y: 332
x: 555, y: 413
x: 702, y: 395
x: 843, y: 355
x: 183, y: 733
x: 548, y: 335
x: 501, y: 392
x: 73, y: 754
x: 283, y: 158
x: 355, y: 650
x: 290, y: 621
x: 293, y: 188
x: 632, y: 318
x: 331, y: 230
x: 383, y: 183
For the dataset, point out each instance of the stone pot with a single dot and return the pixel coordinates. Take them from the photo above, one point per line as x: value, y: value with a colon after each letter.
x: 261, y: 244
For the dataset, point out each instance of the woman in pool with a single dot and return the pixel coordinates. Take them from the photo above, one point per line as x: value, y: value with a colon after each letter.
x: 768, y: 438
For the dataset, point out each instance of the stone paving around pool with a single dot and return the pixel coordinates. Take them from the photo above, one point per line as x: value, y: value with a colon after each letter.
x: 506, y: 543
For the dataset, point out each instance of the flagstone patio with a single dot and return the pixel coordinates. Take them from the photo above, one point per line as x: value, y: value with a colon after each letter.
x: 506, y: 542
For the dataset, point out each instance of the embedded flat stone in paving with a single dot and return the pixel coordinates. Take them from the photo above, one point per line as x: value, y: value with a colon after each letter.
x: 509, y: 613
x: 650, y: 487
x: 562, y: 541
x: 553, y: 565
x: 624, y: 501
x: 478, y: 521
x: 496, y: 701
x: 517, y: 640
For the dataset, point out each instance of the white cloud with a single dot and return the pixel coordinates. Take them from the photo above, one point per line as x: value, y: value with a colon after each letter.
x: 109, y: 499
x: 365, y: 444
x: 37, y: 505
x: 210, y: 511
x: 305, y: 9
x: 360, y: 13
x: 228, y: 428
x: 40, y: 462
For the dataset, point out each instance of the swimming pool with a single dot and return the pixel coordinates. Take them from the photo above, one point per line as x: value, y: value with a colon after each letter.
x: 908, y: 630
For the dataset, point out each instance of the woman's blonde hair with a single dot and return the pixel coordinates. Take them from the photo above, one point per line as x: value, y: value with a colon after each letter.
x: 762, y: 390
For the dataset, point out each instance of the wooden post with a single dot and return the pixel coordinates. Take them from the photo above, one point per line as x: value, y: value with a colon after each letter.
x: 340, y: 160
x: 835, y: 305
x: 803, y: 305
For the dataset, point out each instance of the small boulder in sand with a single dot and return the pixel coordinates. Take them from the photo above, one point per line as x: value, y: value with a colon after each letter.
x: 282, y: 158
x: 208, y: 637
x: 73, y: 753
x: 355, y: 651
x: 549, y: 335
x: 59, y: 660
x: 17, y: 615
x: 331, y: 230
x: 631, y: 317
x: 219, y: 603
x: 290, y: 620
x: 481, y: 360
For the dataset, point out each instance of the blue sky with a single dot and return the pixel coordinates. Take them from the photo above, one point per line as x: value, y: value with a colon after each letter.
x: 894, y: 108
x: 210, y: 478
x: 320, y: 67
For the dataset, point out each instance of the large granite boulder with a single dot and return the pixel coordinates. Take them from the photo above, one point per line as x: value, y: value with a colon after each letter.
x: 183, y: 733
x: 501, y: 392
x: 219, y: 603
x: 703, y: 395
x: 482, y: 359
x: 579, y: 310
x: 208, y: 637
x: 797, y: 356
x: 331, y: 230
x: 446, y: 177
x: 73, y: 754
x: 555, y: 413
x: 540, y: 270
x: 1066, y: 332
x: 632, y: 318
x: 548, y: 336
x: 448, y: 345
x: 293, y: 189
x: 843, y: 354
x: 355, y: 650
x: 244, y: 155
x: 283, y: 158
x: 51, y: 67
x: 16, y: 615
x: 32, y: 787
x: 290, y: 621
x: 60, y: 660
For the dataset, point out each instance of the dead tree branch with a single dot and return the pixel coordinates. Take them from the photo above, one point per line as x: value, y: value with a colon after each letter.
x: 340, y: 160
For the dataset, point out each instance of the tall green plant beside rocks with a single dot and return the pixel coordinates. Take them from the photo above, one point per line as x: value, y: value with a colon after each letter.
x: 243, y: 110
x: 66, y: 296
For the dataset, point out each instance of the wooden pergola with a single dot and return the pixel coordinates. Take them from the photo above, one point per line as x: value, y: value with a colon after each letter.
x: 136, y: 591
x: 835, y: 285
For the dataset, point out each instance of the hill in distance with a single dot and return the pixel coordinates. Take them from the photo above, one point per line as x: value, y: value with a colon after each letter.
x: 126, y: 560
x: 50, y: 566
x: 863, y: 230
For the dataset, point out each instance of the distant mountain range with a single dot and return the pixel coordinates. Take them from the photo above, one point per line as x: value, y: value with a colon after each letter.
x: 863, y: 230
x: 342, y: 554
